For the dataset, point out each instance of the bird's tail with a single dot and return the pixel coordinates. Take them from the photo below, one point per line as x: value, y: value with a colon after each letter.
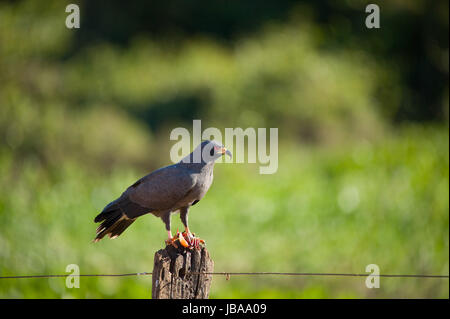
x: 114, y: 223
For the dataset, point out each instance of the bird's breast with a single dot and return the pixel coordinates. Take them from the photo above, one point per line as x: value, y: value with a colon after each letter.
x: 203, y: 181
x: 200, y: 189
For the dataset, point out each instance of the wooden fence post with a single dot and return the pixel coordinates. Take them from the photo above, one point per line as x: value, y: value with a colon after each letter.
x: 177, y: 273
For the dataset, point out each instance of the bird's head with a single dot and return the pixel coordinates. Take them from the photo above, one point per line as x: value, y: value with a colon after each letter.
x: 212, y: 150
x: 207, y: 152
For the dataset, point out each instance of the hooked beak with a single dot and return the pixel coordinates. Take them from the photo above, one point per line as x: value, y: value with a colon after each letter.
x: 225, y: 151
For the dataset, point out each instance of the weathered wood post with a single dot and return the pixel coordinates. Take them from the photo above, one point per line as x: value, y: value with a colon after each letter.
x: 178, y: 273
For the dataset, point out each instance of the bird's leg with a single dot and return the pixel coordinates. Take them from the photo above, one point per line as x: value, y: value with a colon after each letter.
x: 190, y: 237
x: 171, y: 240
x: 170, y: 237
x: 188, y: 233
x: 184, y: 219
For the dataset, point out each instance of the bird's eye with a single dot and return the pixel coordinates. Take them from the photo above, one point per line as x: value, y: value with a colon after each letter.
x: 211, y: 152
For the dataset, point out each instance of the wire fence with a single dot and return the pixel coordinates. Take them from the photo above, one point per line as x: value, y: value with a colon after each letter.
x: 229, y: 274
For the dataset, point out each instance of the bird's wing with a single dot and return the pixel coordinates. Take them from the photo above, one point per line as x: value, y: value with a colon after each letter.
x: 163, y: 188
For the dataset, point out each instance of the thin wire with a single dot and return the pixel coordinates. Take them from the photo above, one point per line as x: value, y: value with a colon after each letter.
x: 325, y: 274
x: 228, y: 274
x: 80, y: 275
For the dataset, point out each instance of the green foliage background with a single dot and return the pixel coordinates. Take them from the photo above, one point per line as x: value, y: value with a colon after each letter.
x: 360, y: 181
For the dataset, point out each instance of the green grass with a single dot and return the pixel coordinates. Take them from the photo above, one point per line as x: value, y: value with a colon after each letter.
x: 325, y: 210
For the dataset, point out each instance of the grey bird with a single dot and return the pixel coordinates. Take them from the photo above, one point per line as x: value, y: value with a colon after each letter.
x: 163, y: 192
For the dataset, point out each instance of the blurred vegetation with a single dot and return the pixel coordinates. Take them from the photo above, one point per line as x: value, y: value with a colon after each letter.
x: 363, y: 133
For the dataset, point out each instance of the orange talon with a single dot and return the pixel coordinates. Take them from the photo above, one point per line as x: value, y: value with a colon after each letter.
x: 188, y: 240
x: 183, y: 241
